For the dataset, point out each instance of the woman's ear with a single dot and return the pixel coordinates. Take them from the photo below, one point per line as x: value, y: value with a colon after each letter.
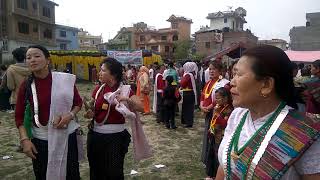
x: 267, y: 86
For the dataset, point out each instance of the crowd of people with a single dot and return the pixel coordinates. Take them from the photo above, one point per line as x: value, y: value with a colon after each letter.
x: 261, y: 114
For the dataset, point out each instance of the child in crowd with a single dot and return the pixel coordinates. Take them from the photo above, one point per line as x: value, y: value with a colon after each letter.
x: 218, y: 123
x: 171, y: 97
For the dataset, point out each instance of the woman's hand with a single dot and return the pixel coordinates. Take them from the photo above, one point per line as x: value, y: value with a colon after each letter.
x: 204, y: 109
x: 29, y: 149
x: 62, y: 121
x: 122, y: 98
x: 135, y: 103
x: 89, y: 114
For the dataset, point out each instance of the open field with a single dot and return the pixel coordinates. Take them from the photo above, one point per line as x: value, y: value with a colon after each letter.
x: 178, y: 149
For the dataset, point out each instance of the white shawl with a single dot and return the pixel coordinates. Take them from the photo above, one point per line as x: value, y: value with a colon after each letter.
x: 62, y: 92
x: 155, y: 90
x: 188, y: 68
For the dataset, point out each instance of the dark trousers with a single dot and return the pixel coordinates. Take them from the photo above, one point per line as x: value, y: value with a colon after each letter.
x: 170, y: 112
x: 187, y: 111
x: 212, y: 163
x: 106, y: 154
x: 41, y: 161
x: 205, y: 149
x: 160, y: 108
x: 5, y: 99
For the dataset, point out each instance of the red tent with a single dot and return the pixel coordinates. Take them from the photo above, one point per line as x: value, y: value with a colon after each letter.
x: 303, y: 56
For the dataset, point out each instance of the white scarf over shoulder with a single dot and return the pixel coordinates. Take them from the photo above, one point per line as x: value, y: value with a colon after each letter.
x: 188, y: 68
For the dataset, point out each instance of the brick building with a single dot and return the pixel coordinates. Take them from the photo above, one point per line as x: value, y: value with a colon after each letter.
x: 141, y: 36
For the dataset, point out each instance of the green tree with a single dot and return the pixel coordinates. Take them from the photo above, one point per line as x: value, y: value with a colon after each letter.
x: 182, y: 49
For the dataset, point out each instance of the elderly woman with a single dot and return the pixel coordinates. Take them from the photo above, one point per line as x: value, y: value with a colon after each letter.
x: 143, y: 88
x: 266, y: 138
x: 112, y: 104
x: 188, y: 86
x: 45, y: 116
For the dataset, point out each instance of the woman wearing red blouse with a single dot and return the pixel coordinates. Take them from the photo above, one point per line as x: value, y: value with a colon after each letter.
x: 108, y: 140
x: 207, y: 104
x: 46, y: 106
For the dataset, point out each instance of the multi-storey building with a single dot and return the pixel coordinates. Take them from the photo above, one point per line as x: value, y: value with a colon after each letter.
x: 226, y: 29
x: 67, y: 38
x: 143, y: 37
x: 26, y: 22
x: 88, y: 41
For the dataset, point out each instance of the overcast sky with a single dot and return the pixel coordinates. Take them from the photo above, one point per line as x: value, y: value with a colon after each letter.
x: 266, y: 18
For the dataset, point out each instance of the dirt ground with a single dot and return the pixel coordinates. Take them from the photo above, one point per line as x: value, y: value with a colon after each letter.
x: 179, y: 150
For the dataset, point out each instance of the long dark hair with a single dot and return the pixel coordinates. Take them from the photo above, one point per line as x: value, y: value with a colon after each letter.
x: 270, y: 61
x: 31, y: 77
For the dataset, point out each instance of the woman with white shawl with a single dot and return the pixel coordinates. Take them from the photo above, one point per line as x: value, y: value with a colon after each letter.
x: 189, y: 90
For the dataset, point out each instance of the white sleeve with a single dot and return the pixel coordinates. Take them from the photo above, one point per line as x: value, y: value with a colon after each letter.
x: 309, y: 163
x: 233, y: 121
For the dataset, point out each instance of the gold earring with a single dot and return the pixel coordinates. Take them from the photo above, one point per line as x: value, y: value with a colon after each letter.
x: 263, y: 95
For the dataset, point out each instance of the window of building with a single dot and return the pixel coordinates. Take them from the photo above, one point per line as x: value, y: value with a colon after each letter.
x: 23, y: 27
x: 81, y: 41
x: 92, y: 41
x: 63, y: 34
x: 225, y: 20
x: 175, y: 38
x: 174, y: 25
x: 22, y: 4
x: 166, y: 49
x: 46, y: 12
x: 73, y: 33
x: 207, y: 44
x: 47, y: 34
x: 154, y: 48
x: 34, y: 5
x: 154, y: 37
x: 35, y: 28
x: 163, y: 38
x: 5, y: 46
x: 63, y: 46
x: 4, y: 25
x: 142, y: 38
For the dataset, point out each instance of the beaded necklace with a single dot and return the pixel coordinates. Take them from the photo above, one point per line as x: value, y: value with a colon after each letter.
x: 214, y: 119
x: 235, y: 141
x: 206, y: 93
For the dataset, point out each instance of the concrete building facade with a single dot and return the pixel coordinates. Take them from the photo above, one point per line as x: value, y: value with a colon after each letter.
x: 143, y: 37
x: 306, y: 38
x: 226, y: 28
x: 280, y: 43
x: 67, y: 38
x: 26, y: 22
x: 88, y: 41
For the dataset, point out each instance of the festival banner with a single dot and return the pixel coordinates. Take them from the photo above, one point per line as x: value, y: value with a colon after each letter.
x: 127, y: 57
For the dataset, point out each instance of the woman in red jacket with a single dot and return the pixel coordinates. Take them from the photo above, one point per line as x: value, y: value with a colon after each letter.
x: 45, y: 111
